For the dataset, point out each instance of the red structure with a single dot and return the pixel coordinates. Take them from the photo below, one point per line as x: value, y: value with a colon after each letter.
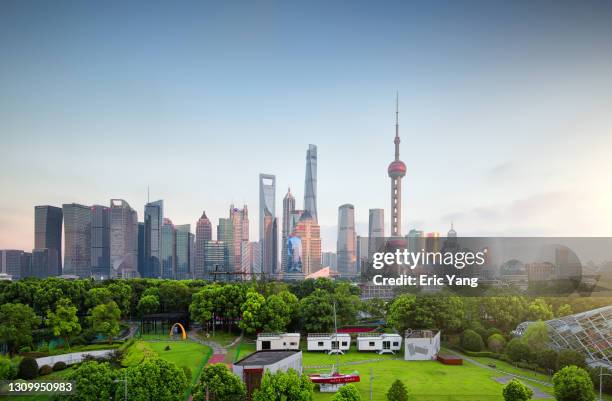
x: 450, y: 360
x: 336, y: 378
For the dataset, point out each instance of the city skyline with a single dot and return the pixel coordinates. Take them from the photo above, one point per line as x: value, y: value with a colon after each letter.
x: 511, y: 139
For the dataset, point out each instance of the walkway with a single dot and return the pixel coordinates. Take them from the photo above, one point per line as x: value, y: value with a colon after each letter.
x: 219, y: 351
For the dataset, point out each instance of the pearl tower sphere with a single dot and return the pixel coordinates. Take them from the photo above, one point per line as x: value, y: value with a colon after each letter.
x: 397, y: 171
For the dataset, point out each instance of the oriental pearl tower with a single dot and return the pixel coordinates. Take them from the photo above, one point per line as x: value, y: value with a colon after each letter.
x: 397, y: 171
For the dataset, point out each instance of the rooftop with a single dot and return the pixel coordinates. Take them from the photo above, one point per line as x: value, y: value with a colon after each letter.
x: 265, y: 357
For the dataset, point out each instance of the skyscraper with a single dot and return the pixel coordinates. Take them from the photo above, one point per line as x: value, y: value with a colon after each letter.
x: 310, y: 182
x: 361, y: 253
x: 376, y: 231
x: 255, y: 249
x: 288, y: 209
x: 153, y: 219
x: 183, y: 249
x: 267, y: 206
x: 77, y: 240
x: 123, y: 239
x: 240, y: 229
x: 225, y: 234
x: 309, y: 234
x: 100, y: 242
x: 396, y: 171
x: 48, y: 231
x: 203, y: 234
x: 15, y: 263
x: 45, y: 263
x: 345, y: 246
x: 168, y: 250
x: 269, y: 247
x: 216, y: 259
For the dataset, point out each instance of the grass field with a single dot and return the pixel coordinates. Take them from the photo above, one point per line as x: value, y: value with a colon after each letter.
x: 182, y: 353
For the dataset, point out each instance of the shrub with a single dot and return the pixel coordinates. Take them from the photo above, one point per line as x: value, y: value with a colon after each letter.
x: 45, y: 370
x: 568, y: 357
x: 516, y: 391
x: 167, y: 348
x: 472, y: 341
x: 547, y: 359
x: 496, y: 342
x: 25, y: 348
x: 397, y: 392
x: 573, y: 384
x: 7, y: 370
x: 347, y: 393
x: 188, y: 373
x: 517, y: 350
x: 57, y: 366
x: 28, y: 368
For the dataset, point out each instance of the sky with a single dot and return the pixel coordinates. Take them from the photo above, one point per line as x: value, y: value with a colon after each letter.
x: 505, y: 110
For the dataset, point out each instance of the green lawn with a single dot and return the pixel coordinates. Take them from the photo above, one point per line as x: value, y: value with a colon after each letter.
x: 182, y: 353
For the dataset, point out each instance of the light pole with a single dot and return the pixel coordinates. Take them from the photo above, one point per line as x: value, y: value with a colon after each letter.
x: 371, y: 380
x: 124, y: 385
x: 601, y: 375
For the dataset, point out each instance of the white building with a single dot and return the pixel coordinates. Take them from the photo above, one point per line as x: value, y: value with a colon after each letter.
x: 278, y: 341
x: 329, y: 342
x: 381, y: 343
x: 421, y: 345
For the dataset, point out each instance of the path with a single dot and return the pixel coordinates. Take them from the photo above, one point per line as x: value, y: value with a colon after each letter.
x: 219, y: 351
x: 537, y: 393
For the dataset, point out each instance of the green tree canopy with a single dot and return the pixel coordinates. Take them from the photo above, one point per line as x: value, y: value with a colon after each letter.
x: 252, y: 312
x: 538, y: 309
x: 286, y: 386
x: 517, y: 391
x: 347, y: 392
x: 316, y: 312
x: 278, y: 311
x: 397, y: 391
x: 496, y: 342
x: 536, y: 336
x: 64, y: 321
x: 93, y: 382
x: 573, y: 384
x: 221, y: 384
x: 471, y: 341
x: 96, y: 296
x: 517, y: 350
x: 16, y: 324
x: 105, y: 319
x: 400, y: 312
x: 147, y: 305
x: 154, y: 379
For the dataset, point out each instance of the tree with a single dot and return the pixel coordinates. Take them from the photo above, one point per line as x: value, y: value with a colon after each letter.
x: 203, y: 304
x: 539, y: 310
x: 278, y: 310
x: 347, y: 392
x: 174, y: 296
x: 121, y: 293
x: 375, y: 307
x: 506, y: 312
x: 471, y: 341
x: 517, y: 350
x: 316, y: 312
x: 93, y: 381
x: 7, y: 370
x: 16, y: 324
x: 104, y: 319
x: 573, y: 384
x: 147, y: 305
x: 289, y: 386
x: 397, y: 392
x: 221, y: 384
x: 517, y: 391
x: 154, y: 379
x: 97, y: 296
x: 564, y: 310
x: 252, y: 314
x: 64, y: 321
x: 400, y: 311
x: 536, y: 336
x: 496, y: 343
x: 568, y: 357
x: 546, y: 358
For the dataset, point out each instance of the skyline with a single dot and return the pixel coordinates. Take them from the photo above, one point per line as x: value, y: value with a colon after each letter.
x: 503, y: 111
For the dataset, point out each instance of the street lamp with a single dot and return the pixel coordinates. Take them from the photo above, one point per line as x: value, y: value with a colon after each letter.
x: 601, y: 375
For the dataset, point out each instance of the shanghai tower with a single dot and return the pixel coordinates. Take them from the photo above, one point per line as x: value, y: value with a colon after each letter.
x: 310, y: 183
x: 397, y: 171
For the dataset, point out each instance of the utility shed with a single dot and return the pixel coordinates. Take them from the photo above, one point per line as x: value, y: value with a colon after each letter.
x: 251, y: 368
x: 421, y: 345
x: 382, y: 343
x: 278, y: 341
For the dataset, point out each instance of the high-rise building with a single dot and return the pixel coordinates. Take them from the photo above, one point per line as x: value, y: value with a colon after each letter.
x: 77, y: 240
x: 45, y: 263
x: 328, y: 259
x: 123, y: 239
x: 153, y: 219
x: 309, y: 234
x: 184, y: 240
x: 168, y: 250
x: 267, y: 206
x: 255, y: 249
x: 216, y: 261
x: 240, y: 227
x: 48, y: 231
x: 100, y: 242
x: 396, y: 171
x: 416, y: 240
x: 376, y: 231
x: 345, y: 246
x: 15, y: 263
x: 203, y: 234
x: 225, y: 234
x: 362, y: 253
x: 310, y: 182
x: 140, y: 266
x: 269, y: 248
x: 246, y: 262
x: 288, y: 209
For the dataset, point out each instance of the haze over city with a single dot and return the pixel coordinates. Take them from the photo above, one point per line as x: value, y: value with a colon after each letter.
x: 504, y: 111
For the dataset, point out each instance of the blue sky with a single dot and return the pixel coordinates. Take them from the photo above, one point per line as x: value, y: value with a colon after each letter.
x: 504, y: 109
